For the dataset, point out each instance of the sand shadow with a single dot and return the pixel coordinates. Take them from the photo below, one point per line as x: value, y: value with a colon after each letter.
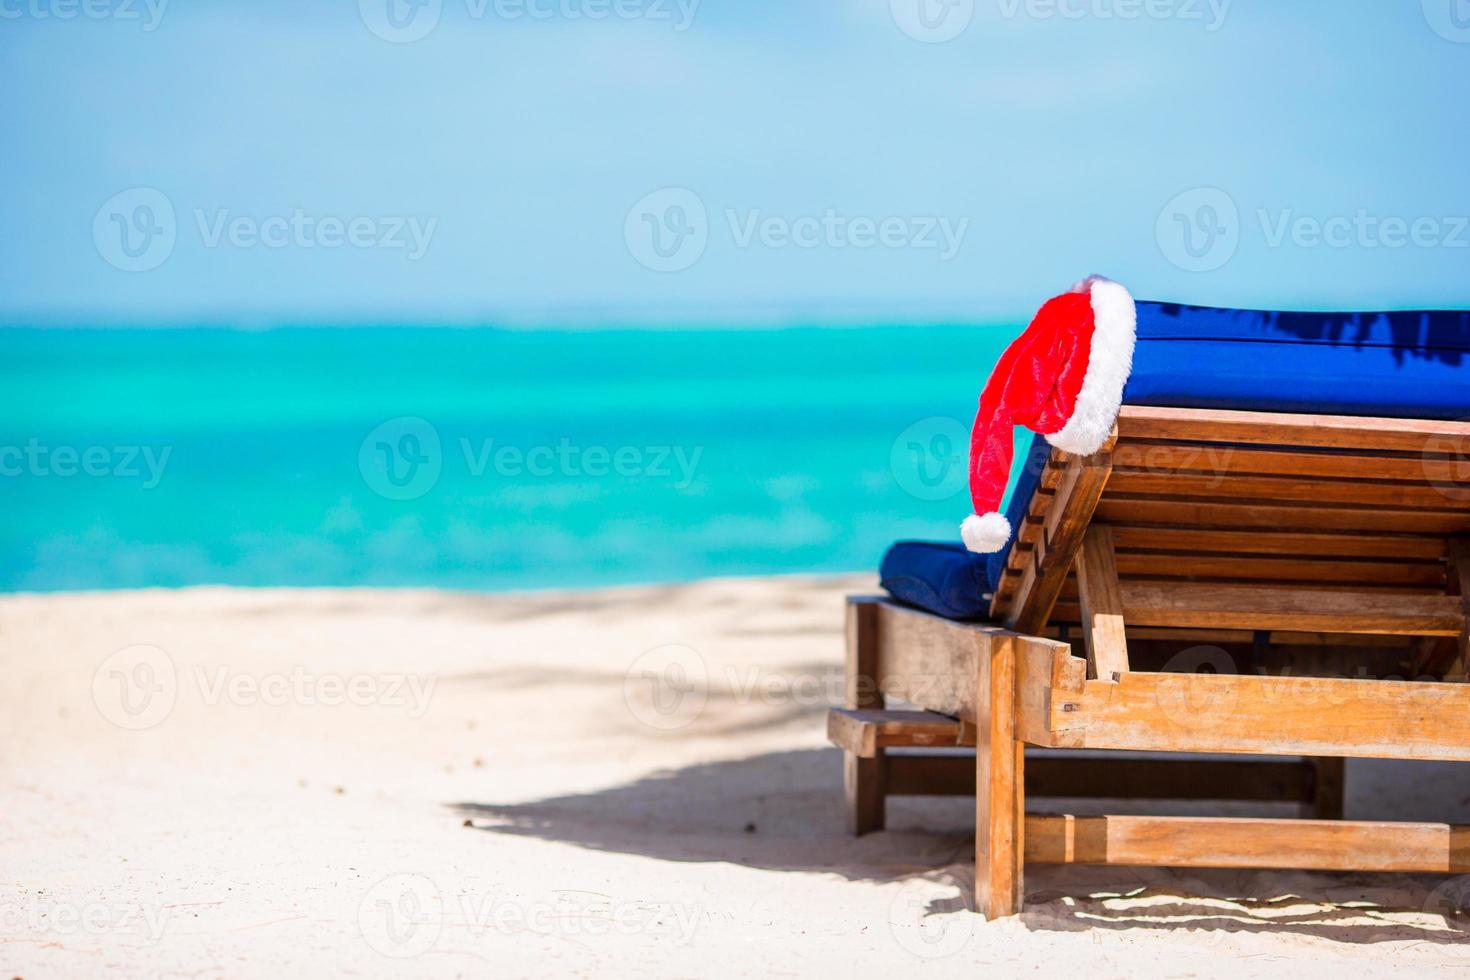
x: 783, y: 811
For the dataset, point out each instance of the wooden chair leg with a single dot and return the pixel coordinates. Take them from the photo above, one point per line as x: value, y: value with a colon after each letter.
x: 1328, y: 787
x: 865, y: 784
x: 865, y: 781
x: 1000, y: 796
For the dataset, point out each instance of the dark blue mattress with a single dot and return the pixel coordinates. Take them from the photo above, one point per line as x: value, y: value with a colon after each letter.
x: 1394, y: 365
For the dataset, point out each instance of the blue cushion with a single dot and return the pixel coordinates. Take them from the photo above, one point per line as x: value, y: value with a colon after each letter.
x: 941, y: 577
x: 1395, y: 365
x: 1398, y: 365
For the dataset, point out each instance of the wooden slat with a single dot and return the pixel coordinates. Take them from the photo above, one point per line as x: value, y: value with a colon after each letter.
x: 1102, y: 604
x: 1251, y: 607
x: 866, y: 733
x: 1270, y: 489
x: 1276, y: 638
x: 1240, y: 714
x: 1222, y: 842
x: 929, y: 661
x: 1380, y: 588
x: 1052, y: 776
x: 1430, y: 575
x: 1302, y: 544
x: 1118, y: 509
x: 932, y: 662
x: 1029, y: 546
x: 1281, y: 429
x: 1220, y: 460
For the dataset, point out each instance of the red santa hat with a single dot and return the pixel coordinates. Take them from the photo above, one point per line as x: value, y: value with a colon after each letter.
x: 1063, y: 377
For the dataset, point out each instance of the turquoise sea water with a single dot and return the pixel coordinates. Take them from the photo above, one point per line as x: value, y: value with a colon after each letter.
x: 302, y: 457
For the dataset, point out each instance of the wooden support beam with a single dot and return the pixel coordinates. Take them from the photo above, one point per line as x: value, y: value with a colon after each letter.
x: 1459, y: 584
x: 866, y: 733
x: 1000, y: 798
x: 1328, y: 787
x: 1090, y: 777
x: 1102, y: 605
x: 1253, y: 607
x: 1219, y: 842
x: 863, y: 778
x: 1240, y: 714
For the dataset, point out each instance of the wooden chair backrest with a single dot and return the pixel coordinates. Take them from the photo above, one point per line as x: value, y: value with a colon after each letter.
x: 1214, y: 519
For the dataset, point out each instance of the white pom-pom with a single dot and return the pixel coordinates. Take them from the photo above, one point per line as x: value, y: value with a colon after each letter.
x: 985, y: 534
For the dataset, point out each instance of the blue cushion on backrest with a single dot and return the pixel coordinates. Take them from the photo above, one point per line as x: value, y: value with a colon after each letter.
x: 1395, y: 365
x: 1398, y: 365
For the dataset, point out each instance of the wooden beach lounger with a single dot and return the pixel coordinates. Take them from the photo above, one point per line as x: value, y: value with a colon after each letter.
x: 1318, y: 565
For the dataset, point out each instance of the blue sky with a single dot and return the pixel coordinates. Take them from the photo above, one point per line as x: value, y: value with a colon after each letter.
x: 1316, y: 154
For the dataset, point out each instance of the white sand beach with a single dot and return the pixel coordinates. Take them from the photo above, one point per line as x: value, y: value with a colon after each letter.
x: 215, y: 782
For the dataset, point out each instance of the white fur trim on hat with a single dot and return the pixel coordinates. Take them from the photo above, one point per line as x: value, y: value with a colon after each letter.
x: 1115, y: 324
x: 985, y: 534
